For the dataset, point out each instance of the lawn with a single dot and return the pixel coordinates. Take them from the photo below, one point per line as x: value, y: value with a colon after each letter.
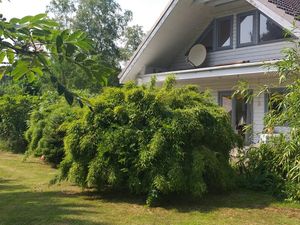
x: 26, y: 198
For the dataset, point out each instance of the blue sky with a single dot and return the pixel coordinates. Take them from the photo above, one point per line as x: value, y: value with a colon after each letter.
x: 145, y: 12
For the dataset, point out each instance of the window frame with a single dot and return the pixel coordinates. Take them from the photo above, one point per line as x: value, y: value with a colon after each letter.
x: 216, y: 33
x: 213, y: 25
x: 210, y: 27
x: 259, y: 42
x: 255, y: 30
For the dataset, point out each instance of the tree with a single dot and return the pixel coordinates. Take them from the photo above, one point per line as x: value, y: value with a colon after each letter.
x: 63, y: 11
x: 103, y: 20
x: 34, y: 47
x: 133, y: 36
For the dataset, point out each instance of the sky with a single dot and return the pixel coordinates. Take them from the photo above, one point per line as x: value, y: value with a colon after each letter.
x: 145, y: 12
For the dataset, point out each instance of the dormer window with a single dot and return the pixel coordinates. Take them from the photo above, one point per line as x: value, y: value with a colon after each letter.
x: 224, y: 32
x: 208, y: 39
x: 246, y: 29
x: 269, y: 30
x: 253, y: 28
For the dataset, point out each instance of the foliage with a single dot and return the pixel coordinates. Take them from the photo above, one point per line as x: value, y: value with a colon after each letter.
x: 133, y: 36
x: 275, y: 165
x: 151, y: 141
x: 14, y: 111
x: 34, y: 47
x: 105, y: 22
x: 46, y: 128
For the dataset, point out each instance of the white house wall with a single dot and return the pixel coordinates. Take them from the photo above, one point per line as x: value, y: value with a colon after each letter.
x: 262, y: 52
x: 256, y: 53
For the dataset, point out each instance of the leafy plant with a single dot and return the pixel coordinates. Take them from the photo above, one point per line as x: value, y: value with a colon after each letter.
x: 47, y: 129
x: 34, y: 46
x: 275, y: 166
x: 14, y: 111
x: 151, y: 141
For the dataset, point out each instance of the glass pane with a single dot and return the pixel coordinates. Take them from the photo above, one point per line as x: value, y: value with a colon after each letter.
x: 226, y: 102
x: 207, y: 40
x: 269, y: 30
x: 224, y: 33
x: 246, y: 29
x: 241, y: 112
x: 241, y: 116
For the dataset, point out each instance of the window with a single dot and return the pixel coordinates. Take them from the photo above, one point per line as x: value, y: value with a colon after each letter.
x: 224, y: 32
x: 269, y: 30
x: 246, y: 29
x: 208, y: 39
x: 240, y: 112
x: 252, y: 28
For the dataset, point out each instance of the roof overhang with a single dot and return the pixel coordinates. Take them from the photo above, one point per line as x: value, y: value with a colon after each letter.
x: 214, y: 72
x: 147, y: 40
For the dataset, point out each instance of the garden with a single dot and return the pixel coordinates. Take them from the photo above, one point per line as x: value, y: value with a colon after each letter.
x: 76, y: 147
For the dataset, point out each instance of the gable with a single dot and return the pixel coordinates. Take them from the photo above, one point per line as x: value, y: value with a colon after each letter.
x: 182, y: 22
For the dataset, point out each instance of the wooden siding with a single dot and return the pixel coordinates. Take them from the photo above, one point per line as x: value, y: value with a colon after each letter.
x: 257, y: 53
x: 261, y: 52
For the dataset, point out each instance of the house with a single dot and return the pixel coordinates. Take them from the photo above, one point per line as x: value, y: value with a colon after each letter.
x: 239, y: 37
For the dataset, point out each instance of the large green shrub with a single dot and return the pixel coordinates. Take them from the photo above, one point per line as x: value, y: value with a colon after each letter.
x: 14, y: 112
x: 151, y: 141
x: 47, y: 127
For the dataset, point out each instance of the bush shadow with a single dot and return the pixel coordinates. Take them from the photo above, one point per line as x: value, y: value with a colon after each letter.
x: 241, y: 199
x: 24, y: 206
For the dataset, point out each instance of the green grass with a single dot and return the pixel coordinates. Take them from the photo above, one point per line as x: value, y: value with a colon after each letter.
x: 26, y: 198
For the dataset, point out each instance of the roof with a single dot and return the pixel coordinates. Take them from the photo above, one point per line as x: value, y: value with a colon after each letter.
x: 281, y: 11
x: 291, y: 7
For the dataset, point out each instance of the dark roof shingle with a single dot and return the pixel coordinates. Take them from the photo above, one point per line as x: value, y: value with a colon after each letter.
x: 291, y: 7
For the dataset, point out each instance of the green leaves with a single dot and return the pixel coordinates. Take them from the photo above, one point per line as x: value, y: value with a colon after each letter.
x: 10, y: 55
x: 59, y: 43
x: 20, y: 70
x: 149, y: 144
x: 2, y: 56
x: 35, y: 47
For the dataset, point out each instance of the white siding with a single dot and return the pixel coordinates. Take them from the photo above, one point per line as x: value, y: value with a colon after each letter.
x: 261, y: 52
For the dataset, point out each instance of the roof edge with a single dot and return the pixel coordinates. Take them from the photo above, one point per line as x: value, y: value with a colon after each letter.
x: 271, y: 10
x: 148, y: 38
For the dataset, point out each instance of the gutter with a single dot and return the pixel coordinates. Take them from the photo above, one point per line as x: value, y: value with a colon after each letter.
x: 213, y: 72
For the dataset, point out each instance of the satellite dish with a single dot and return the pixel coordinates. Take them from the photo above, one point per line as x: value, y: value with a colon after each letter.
x: 197, y: 55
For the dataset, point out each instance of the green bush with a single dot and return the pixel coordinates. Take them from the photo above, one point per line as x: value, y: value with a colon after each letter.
x: 274, y: 167
x: 151, y: 141
x: 14, y: 112
x: 47, y: 128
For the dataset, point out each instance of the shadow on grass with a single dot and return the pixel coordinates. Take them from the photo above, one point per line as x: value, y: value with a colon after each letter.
x: 24, y: 206
x: 241, y: 199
